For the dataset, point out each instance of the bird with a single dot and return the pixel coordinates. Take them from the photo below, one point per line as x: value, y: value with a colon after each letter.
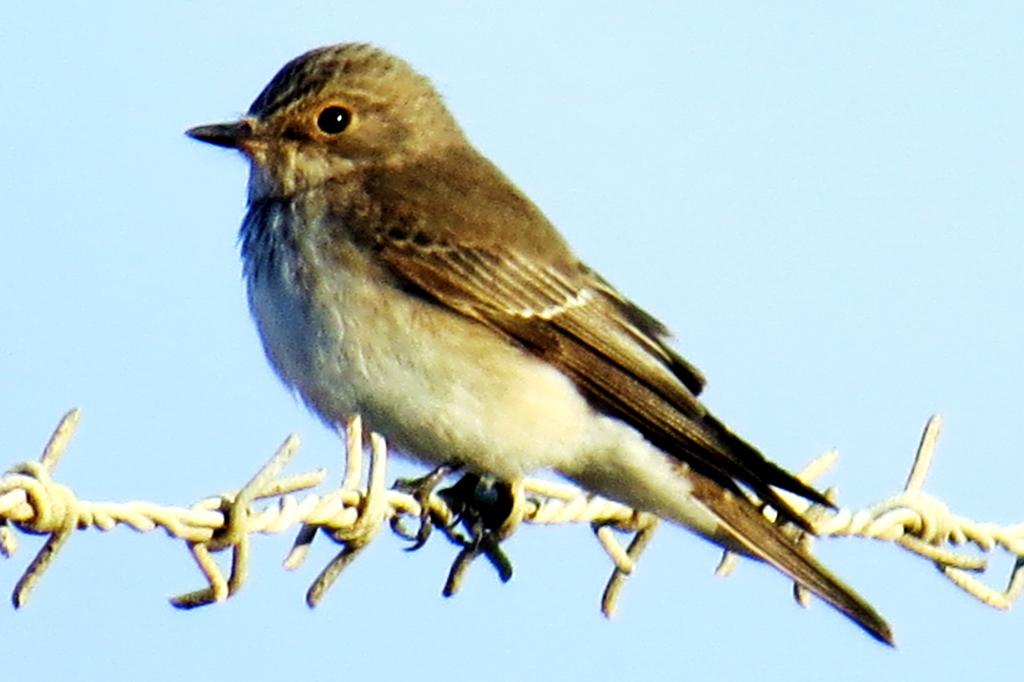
x: 394, y: 272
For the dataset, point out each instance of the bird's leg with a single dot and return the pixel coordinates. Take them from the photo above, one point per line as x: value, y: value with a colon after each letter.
x: 421, y: 489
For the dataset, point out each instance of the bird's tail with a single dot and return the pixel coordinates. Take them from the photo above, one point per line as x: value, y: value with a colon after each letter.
x: 766, y: 541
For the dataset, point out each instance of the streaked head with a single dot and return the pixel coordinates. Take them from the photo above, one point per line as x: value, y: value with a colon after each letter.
x: 330, y: 111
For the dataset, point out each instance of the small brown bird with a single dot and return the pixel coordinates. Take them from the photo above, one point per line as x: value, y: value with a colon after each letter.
x: 395, y: 272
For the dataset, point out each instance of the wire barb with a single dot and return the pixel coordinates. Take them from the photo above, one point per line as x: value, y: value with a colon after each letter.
x: 353, y: 515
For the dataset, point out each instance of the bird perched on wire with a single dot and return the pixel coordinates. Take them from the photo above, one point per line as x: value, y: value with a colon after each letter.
x: 393, y: 271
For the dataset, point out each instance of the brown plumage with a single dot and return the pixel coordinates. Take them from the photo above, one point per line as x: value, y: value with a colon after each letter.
x: 395, y: 272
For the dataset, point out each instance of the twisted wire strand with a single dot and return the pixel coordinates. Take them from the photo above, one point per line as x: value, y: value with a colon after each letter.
x: 352, y: 515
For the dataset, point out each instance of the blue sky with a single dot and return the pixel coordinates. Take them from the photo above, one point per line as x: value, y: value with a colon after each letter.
x: 823, y: 202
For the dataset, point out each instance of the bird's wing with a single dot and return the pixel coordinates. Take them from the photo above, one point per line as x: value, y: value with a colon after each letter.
x: 497, y: 260
x: 612, y: 350
x: 458, y: 231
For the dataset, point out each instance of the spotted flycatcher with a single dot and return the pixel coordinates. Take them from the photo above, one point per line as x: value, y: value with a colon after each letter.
x: 396, y: 273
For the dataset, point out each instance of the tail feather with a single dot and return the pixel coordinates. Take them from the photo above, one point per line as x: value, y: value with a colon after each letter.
x: 764, y: 540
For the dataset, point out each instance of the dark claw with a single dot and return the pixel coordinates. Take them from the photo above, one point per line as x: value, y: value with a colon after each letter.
x: 499, y: 560
x: 423, y: 534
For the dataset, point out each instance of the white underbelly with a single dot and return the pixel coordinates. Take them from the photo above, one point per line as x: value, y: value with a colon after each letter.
x: 443, y: 389
x: 439, y: 386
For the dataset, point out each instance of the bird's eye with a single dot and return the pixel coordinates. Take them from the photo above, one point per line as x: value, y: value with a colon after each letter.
x: 334, y: 119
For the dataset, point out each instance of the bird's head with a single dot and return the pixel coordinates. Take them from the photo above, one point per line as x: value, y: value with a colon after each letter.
x: 331, y: 111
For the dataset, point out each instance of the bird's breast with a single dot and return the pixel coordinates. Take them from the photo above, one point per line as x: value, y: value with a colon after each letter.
x: 339, y: 330
x: 301, y: 301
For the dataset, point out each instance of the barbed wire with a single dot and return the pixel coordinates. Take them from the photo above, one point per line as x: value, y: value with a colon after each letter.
x: 353, y: 514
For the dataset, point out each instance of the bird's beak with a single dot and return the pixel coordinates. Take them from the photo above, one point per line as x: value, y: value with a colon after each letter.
x: 232, y: 135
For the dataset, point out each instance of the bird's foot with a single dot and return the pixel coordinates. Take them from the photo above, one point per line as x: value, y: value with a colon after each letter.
x: 489, y: 510
x: 421, y: 489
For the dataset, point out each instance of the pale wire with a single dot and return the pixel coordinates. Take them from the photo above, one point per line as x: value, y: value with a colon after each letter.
x: 353, y: 514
